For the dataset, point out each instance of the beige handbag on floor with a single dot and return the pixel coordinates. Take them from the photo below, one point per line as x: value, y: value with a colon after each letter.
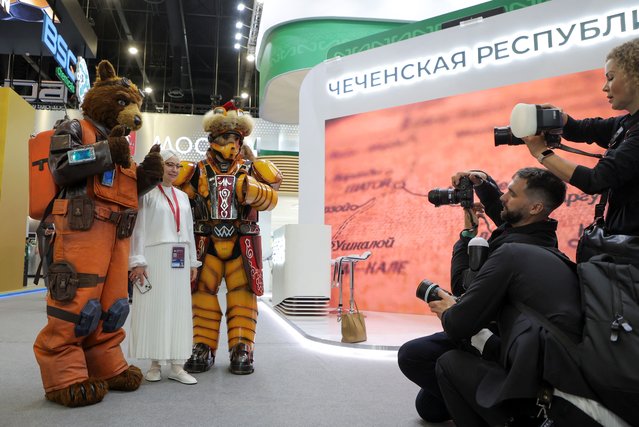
x: 353, y: 326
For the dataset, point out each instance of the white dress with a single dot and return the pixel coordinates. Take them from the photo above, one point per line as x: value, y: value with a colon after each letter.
x: 161, y: 319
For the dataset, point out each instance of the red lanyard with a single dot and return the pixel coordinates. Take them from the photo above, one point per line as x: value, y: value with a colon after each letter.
x: 176, y: 212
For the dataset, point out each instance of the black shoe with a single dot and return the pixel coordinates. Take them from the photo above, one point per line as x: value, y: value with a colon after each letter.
x: 241, y: 359
x: 201, y: 359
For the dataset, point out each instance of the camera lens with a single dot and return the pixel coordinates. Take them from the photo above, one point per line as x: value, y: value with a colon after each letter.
x: 503, y: 136
x: 462, y: 195
x: 442, y: 196
x: 427, y: 291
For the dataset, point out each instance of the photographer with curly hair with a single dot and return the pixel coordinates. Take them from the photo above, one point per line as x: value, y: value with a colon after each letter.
x: 617, y: 172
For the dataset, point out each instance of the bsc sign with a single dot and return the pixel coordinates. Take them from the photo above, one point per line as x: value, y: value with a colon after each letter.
x: 49, y: 92
x: 58, y: 47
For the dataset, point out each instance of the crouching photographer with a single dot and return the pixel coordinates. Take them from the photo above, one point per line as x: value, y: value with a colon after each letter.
x: 522, y: 216
x: 517, y: 278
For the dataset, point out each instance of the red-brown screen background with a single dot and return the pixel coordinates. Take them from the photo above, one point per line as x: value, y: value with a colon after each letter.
x: 380, y: 166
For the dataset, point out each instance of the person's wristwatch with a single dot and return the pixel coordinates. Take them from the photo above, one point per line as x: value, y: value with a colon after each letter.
x: 544, y: 154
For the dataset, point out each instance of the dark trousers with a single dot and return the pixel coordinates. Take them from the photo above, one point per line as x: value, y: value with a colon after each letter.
x: 417, y: 359
x: 459, y: 374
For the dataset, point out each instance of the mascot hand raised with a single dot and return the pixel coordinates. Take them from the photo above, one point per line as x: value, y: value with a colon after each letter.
x: 151, y: 170
x: 119, y: 146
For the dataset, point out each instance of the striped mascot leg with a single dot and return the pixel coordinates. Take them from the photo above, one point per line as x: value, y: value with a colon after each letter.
x: 241, y: 317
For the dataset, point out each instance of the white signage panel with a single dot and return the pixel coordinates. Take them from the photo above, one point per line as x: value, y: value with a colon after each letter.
x: 537, y: 42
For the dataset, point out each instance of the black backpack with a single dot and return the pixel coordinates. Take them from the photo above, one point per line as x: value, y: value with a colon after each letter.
x: 608, y: 355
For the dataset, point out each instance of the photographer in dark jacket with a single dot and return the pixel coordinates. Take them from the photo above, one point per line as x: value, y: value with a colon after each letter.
x: 496, y: 392
x: 618, y: 171
x: 417, y: 358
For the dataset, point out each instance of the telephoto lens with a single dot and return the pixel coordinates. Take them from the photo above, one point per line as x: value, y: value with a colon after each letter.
x: 427, y: 291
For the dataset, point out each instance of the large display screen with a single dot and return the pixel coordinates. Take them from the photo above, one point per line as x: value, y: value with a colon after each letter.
x: 381, y: 165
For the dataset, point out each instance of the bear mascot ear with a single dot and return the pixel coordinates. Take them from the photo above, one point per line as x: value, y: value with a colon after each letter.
x: 105, y: 71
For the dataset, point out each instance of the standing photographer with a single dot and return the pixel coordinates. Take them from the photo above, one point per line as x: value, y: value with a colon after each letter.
x: 522, y: 216
x: 619, y: 169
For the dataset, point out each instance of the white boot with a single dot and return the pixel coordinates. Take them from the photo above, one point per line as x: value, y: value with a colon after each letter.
x: 154, y: 373
x: 179, y: 374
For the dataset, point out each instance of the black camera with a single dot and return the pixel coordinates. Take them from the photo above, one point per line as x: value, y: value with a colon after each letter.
x: 427, y: 291
x: 531, y: 119
x: 504, y: 136
x: 462, y: 195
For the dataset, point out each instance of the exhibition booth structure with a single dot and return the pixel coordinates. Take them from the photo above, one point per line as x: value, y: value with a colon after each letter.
x: 295, y: 36
x: 16, y: 120
x: 381, y: 128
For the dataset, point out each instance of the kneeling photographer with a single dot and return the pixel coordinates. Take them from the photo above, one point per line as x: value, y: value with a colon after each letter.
x: 505, y: 391
x: 522, y: 216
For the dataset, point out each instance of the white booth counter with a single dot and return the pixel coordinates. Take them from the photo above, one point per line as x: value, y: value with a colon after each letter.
x: 301, y: 269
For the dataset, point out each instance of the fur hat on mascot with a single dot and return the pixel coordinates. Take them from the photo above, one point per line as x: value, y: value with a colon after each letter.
x: 227, y: 118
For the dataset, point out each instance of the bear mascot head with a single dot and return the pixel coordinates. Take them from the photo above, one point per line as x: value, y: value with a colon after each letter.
x: 114, y: 103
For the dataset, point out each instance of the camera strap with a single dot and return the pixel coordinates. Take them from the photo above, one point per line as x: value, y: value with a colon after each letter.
x: 578, y: 151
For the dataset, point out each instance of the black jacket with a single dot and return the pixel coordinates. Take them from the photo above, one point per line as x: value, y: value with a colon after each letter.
x: 540, y: 233
x: 617, y: 171
x: 538, y: 278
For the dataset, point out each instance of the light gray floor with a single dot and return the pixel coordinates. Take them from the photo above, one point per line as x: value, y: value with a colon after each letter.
x: 291, y: 386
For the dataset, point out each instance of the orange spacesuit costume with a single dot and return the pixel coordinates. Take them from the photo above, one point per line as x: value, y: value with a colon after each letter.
x: 226, y: 191
x: 79, y: 349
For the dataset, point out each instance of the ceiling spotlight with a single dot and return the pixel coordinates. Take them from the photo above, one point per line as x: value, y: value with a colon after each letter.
x: 133, y: 50
x: 250, y: 57
x: 242, y: 6
x: 148, y: 89
x: 244, y: 95
x: 238, y: 36
x: 239, y: 25
x: 237, y: 46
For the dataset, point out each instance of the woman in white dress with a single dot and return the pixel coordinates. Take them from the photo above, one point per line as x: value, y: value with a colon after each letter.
x: 163, y: 252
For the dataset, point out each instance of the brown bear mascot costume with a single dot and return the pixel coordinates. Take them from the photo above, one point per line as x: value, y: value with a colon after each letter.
x: 79, y: 349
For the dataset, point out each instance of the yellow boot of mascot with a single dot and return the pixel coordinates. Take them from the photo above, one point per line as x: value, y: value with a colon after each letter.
x: 79, y: 348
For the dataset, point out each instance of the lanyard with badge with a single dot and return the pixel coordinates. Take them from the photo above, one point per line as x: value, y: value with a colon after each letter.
x: 177, y: 253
